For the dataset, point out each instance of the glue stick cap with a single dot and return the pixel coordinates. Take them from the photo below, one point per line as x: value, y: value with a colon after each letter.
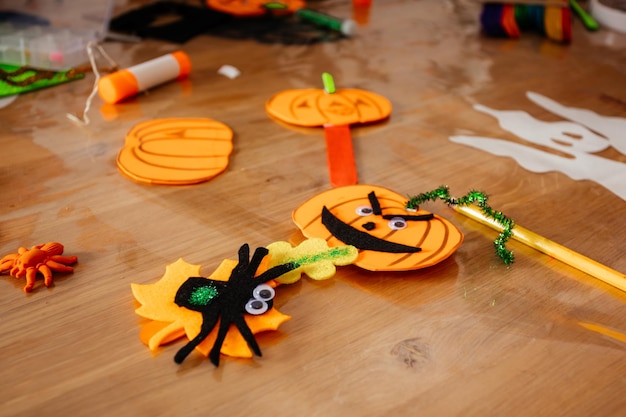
x: 183, y: 62
x: 117, y: 86
x: 125, y: 83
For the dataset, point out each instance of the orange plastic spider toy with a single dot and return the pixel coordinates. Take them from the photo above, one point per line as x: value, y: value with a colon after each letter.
x: 43, y: 258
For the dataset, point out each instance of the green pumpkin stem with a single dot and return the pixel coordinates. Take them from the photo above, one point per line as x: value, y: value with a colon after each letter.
x: 329, y: 83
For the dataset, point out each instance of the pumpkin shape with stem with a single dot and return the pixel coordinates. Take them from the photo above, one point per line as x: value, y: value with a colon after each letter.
x: 314, y: 107
x: 375, y: 221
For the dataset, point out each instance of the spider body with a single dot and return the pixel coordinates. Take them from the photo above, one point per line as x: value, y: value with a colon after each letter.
x: 228, y: 301
x: 43, y: 259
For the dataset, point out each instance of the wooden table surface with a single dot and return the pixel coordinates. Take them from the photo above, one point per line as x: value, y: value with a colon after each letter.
x: 467, y: 337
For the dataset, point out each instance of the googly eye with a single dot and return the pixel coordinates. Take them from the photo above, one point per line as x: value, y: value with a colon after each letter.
x: 263, y: 292
x: 397, y: 223
x: 256, y: 307
x: 364, y: 211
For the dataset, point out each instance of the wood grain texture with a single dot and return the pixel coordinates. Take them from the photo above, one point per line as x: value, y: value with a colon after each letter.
x: 467, y: 337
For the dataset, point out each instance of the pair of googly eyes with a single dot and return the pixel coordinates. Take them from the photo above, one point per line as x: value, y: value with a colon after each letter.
x: 396, y: 223
x: 261, y: 295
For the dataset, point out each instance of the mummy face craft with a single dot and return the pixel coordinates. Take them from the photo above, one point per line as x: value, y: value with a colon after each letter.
x: 376, y: 221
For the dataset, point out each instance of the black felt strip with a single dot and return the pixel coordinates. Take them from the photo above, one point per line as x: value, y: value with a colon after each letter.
x: 375, y: 204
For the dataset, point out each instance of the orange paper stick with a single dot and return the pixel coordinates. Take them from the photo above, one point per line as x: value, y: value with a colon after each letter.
x: 341, y: 165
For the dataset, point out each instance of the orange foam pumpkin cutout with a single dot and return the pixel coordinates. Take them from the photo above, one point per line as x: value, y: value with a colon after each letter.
x: 335, y: 110
x: 176, y: 151
x: 252, y: 7
x: 375, y: 220
x: 314, y: 107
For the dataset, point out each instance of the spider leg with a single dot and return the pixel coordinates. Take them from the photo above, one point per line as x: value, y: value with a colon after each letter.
x: 7, y: 262
x: 247, y: 334
x: 244, y: 256
x: 208, y: 323
x: 47, y: 274
x: 30, y: 279
x: 276, y: 271
x: 18, y: 272
x: 58, y: 266
x: 64, y: 259
x: 258, y: 256
x: 214, y: 355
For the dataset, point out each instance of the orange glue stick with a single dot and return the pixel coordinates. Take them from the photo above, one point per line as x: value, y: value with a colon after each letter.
x: 125, y: 83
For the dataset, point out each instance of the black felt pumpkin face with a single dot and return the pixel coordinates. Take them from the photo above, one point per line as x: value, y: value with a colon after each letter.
x: 375, y: 220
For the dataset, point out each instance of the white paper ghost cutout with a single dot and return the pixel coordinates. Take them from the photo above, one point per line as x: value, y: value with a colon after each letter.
x: 570, y: 138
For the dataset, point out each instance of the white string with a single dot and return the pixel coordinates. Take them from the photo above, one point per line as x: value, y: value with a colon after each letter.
x: 92, y: 60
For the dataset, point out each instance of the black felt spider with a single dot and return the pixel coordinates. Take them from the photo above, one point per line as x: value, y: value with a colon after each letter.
x: 228, y: 301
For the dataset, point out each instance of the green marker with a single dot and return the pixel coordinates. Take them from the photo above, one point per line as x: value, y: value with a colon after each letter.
x: 589, y: 22
x: 347, y: 26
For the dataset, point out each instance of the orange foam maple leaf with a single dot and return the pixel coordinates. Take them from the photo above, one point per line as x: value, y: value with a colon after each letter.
x: 169, y: 321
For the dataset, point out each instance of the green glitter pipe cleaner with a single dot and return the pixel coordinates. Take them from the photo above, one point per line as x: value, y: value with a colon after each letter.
x: 480, y: 199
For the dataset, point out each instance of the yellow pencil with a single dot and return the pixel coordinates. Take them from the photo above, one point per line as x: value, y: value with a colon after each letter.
x: 542, y: 244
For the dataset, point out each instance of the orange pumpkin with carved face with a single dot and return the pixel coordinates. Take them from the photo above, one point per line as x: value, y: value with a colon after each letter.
x: 375, y: 221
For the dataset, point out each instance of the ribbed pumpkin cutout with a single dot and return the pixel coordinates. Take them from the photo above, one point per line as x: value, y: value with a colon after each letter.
x: 252, y: 7
x: 314, y: 107
x: 176, y: 151
x: 375, y: 220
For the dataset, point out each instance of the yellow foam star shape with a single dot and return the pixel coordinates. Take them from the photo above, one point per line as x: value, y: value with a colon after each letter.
x: 169, y: 321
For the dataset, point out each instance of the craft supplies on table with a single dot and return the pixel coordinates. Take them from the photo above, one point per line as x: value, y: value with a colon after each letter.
x: 509, y: 19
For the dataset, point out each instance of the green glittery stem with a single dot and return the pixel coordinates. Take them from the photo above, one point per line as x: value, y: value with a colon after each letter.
x: 480, y: 199
x: 330, y: 254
